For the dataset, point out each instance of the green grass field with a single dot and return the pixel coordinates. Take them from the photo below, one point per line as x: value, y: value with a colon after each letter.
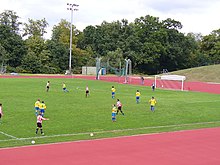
x: 73, y: 117
x: 204, y: 73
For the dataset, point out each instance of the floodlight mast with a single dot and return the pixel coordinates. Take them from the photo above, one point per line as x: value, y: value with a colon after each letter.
x: 72, y: 7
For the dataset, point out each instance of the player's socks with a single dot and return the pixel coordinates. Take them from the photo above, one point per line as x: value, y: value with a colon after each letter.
x: 113, y: 119
x: 41, y: 131
x: 36, y: 130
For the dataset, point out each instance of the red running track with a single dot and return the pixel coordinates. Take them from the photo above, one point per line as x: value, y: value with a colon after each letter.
x: 189, y: 86
x: 194, y: 147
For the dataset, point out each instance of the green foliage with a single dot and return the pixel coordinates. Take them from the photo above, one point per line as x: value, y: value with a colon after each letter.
x: 12, y: 45
x: 61, y: 33
x: 210, y: 46
x: 150, y: 43
x: 37, y: 60
x: 73, y: 116
x: 3, y: 54
x: 10, y: 19
x: 59, y: 46
x: 59, y: 55
x: 35, y: 28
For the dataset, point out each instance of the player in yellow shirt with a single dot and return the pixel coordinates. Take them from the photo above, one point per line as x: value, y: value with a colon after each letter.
x: 138, y: 94
x: 152, y: 102
x: 42, y: 108
x: 114, y: 111
x: 64, y: 87
x: 37, y: 106
x: 113, y: 92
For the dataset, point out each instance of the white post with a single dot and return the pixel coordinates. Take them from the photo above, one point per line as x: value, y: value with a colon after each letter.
x: 71, y: 7
x: 71, y: 36
x: 182, y: 85
x: 155, y: 81
x: 126, y: 71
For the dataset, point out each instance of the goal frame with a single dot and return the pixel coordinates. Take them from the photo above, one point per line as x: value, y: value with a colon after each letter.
x: 171, y: 78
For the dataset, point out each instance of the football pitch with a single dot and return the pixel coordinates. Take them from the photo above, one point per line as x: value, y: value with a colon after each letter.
x: 73, y: 116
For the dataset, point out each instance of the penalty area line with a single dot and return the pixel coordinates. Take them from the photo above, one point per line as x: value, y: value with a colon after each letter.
x: 11, y: 136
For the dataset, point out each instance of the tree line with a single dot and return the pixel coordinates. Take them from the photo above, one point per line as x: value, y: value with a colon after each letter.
x: 150, y: 43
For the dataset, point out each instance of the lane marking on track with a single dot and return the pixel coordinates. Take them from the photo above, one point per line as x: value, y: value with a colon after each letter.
x: 109, y: 131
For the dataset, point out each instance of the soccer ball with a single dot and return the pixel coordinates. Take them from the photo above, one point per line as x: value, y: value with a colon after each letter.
x: 91, y: 134
x: 32, y: 142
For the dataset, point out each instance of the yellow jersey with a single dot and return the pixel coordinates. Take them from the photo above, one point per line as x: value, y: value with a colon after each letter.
x: 114, y: 110
x: 152, y: 102
x: 113, y: 89
x: 42, y: 106
x: 37, y: 104
x: 138, y: 94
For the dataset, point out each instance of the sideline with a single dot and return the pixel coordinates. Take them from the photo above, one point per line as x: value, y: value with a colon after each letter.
x: 110, y: 131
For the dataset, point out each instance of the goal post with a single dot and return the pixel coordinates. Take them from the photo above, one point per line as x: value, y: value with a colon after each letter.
x: 170, y: 81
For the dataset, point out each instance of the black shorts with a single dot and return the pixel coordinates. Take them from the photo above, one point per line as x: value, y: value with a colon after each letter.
x: 87, y: 91
x: 48, y: 87
x: 0, y: 115
x: 119, y: 108
x: 39, y: 125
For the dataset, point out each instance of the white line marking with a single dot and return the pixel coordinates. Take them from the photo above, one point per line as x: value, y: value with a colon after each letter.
x: 8, y: 135
x: 88, y: 140
x: 110, y: 131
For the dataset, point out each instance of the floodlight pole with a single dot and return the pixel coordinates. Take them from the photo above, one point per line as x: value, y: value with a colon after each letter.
x: 71, y: 8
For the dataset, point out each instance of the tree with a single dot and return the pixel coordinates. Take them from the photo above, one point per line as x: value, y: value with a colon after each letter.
x: 10, y: 19
x: 35, y: 28
x: 3, y: 55
x: 59, y: 48
x: 61, y: 33
x: 210, y: 46
x: 37, y: 59
x: 10, y: 40
x: 58, y: 55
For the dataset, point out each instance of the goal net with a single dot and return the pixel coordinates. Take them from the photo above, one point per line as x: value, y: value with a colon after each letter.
x: 121, y: 69
x: 170, y: 82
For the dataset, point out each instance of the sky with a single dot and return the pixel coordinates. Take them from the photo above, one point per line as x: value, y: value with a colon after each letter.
x: 197, y: 16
